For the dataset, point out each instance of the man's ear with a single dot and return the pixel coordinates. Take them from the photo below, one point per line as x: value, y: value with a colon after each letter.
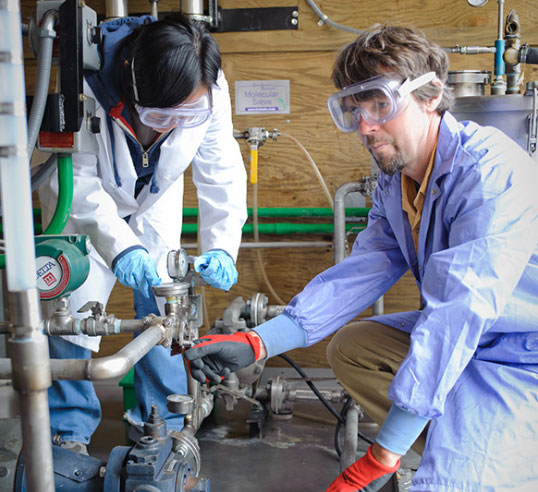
x: 433, y: 103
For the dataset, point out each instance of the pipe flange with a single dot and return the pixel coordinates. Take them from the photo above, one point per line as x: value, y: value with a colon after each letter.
x: 172, y: 289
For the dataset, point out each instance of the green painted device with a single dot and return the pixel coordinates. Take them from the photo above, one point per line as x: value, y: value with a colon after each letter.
x: 62, y: 264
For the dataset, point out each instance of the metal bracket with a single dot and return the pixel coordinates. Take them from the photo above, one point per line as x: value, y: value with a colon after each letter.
x: 257, y: 19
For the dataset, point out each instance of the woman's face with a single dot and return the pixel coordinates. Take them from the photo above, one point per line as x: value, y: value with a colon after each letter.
x: 193, y: 111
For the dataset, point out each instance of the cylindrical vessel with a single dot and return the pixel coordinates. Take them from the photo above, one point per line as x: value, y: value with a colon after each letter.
x: 467, y: 83
x: 510, y: 114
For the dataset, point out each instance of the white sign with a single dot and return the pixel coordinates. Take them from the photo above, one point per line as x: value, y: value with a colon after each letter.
x: 262, y: 97
x: 49, y: 273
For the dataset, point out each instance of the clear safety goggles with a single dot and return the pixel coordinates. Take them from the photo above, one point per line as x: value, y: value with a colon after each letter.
x: 186, y: 115
x: 377, y: 100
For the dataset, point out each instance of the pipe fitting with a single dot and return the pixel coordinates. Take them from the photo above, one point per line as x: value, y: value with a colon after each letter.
x: 47, y: 28
x: 31, y: 371
x: 24, y: 312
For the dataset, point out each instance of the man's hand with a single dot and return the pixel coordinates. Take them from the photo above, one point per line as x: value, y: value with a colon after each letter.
x: 214, y: 357
x: 366, y: 474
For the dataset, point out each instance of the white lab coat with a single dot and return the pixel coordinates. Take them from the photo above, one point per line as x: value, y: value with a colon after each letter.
x: 100, y: 205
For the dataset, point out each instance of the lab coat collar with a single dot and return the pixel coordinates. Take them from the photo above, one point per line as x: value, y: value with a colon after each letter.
x: 448, y: 143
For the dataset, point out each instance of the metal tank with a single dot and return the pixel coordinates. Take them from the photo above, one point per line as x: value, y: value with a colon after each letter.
x: 513, y: 114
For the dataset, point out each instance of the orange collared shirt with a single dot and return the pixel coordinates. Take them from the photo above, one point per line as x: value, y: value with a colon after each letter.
x: 413, y: 198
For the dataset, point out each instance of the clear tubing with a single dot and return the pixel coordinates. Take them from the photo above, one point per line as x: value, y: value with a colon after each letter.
x: 14, y: 164
x: 258, y: 252
x: 314, y: 167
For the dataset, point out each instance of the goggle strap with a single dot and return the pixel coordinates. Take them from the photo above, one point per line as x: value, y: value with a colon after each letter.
x: 411, y: 85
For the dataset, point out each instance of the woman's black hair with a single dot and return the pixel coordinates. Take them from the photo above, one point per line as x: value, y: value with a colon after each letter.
x: 172, y: 58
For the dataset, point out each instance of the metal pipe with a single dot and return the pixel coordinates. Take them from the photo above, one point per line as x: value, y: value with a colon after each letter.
x: 103, y: 368
x: 274, y: 244
x: 192, y: 7
x: 340, y: 249
x: 116, y: 8
x: 29, y: 353
x: 349, y: 449
x: 340, y: 246
x: 292, y: 212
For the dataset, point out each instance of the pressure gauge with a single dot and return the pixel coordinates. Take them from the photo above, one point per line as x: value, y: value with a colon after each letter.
x: 477, y: 3
x: 178, y: 264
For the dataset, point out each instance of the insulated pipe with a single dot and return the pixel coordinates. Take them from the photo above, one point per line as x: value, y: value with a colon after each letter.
x: 27, y: 346
x: 44, y: 60
x: 96, y: 369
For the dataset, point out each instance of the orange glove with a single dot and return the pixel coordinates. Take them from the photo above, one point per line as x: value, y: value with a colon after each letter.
x: 366, y: 474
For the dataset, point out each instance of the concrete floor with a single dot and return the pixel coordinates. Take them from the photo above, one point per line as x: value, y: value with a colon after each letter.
x: 292, y: 455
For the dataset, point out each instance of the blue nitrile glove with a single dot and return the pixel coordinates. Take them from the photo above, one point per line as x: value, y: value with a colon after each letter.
x: 136, y: 269
x: 217, y: 268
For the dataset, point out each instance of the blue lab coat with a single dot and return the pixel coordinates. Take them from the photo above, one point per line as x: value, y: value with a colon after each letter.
x: 472, y: 366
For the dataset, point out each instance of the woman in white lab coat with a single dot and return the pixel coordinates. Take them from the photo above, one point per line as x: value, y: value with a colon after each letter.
x: 163, y: 103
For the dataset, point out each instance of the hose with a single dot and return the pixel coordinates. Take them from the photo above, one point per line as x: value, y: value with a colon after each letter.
x: 258, y: 252
x: 65, y: 195
x: 47, y: 34
x: 314, y: 167
x: 311, y: 385
x: 254, y: 180
x: 325, y: 20
x: 44, y: 170
x: 340, y: 417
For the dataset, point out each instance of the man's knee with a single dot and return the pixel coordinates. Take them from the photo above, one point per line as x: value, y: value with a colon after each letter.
x: 338, y: 347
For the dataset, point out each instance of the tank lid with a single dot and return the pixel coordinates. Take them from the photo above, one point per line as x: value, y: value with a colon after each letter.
x: 469, y: 76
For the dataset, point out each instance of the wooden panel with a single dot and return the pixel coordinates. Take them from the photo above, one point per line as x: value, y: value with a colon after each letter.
x: 305, y: 58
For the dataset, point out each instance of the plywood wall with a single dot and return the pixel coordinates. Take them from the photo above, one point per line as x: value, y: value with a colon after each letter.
x: 305, y: 57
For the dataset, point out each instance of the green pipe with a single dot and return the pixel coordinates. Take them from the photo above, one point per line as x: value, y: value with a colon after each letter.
x: 65, y: 200
x: 65, y: 195
x: 283, y: 228
x: 292, y: 212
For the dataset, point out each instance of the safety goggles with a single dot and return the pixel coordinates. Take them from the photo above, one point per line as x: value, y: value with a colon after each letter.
x: 377, y: 100
x: 186, y: 115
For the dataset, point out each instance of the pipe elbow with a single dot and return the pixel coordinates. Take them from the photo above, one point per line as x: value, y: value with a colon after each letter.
x: 108, y: 367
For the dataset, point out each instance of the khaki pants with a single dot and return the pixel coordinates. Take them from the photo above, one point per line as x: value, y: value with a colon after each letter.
x: 364, y: 357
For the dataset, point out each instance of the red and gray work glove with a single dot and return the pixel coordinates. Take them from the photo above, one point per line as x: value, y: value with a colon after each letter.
x: 365, y: 475
x: 214, y: 357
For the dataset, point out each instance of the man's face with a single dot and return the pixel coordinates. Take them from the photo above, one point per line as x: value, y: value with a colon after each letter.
x: 396, y: 144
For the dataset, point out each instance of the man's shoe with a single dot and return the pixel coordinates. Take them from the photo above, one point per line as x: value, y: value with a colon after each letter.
x: 77, y: 447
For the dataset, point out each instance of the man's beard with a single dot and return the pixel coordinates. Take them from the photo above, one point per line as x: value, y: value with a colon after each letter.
x: 388, y: 164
